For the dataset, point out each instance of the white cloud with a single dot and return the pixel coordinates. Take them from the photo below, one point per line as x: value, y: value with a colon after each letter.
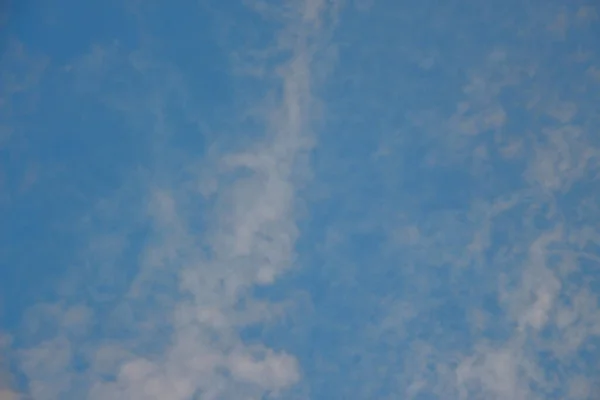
x: 7, y: 391
x: 495, y: 373
x: 563, y: 157
x: 250, y: 232
x: 476, y: 287
x: 510, y: 262
x: 273, y: 370
x: 539, y: 285
x: 49, y: 364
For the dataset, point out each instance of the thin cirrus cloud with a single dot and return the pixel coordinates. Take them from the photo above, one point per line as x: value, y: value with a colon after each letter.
x: 250, y: 235
x: 315, y: 199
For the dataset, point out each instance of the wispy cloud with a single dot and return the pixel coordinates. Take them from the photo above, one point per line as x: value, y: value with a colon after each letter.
x: 478, y: 196
x: 7, y: 390
x: 421, y: 223
x: 195, y: 286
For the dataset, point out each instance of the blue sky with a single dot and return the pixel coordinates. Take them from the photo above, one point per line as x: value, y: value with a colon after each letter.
x: 311, y: 199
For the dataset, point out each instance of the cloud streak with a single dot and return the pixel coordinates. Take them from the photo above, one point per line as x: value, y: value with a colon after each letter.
x: 420, y: 223
x: 7, y: 391
x: 249, y: 240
